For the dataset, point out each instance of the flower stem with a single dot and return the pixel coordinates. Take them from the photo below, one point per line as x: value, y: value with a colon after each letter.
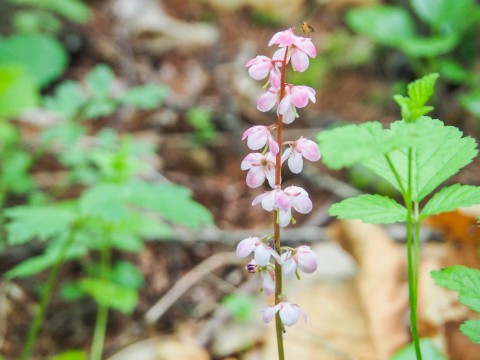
x: 276, y: 226
x: 47, y: 292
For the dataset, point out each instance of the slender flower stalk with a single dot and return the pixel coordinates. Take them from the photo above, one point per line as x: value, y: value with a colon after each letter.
x: 268, y: 166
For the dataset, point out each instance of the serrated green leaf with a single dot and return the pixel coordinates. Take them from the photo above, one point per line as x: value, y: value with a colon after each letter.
x: 462, y: 279
x: 44, y: 58
x: 110, y: 294
x: 387, y: 25
x: 441, y: 156
x: 99, y: 80
x: 106, y: 201
x: 451, y: 198
x: 14, y: 176
x: 42, y: 222
x: 370, y: 209
x: 346, y: 145
x: 145, y: 97
x: 96, y: 108
x: 429, y: 351
x: 471, y: 328
x: 421, y: 90
x: 31, y: 266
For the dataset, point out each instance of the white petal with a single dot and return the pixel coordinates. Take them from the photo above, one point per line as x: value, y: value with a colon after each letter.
x: 289, y: 314
x: 269, y: 313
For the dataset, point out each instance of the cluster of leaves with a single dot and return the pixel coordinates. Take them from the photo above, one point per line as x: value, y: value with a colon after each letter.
x: 439, y: 152
x: 415, y: 156
x: 447, y: 47
x: 201, y: 120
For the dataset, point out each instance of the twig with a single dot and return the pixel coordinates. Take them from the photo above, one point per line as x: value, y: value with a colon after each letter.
x: 187, y: 281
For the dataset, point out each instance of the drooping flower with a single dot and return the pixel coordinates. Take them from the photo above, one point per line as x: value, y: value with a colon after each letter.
x: 295, y: 97
x: 284, y: 200
x: 301, y: 49
x: 261, y: 66
x: 302, y: 148
x: 289, y: 313
x: 262, y: 252
x: 302, y: 257
x: 259, y: 167
x: 258, y: 136
x: 268, y: 280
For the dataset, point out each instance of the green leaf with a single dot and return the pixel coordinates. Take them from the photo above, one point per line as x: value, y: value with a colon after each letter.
x: 429, y: 351
x: 109, y: 294
x: 18, y: 90
x: 346, y: 145
x: 446, y: 15
x: 427, y: 47
x: 443, y: 153
x: 99, y: 80
x: 36, y: 21
x: 67, y: 100
x: 14, y: 176
x: 30, y: 267
x: 106, y: 201
x: 387, y: 25
x: 71, y: 355
x: 370, y: 209
x: 172, y: 202
x: 471, y: 328
x: 421, y: 90
x: 451, y: 198
x: 42, y: 222
x: 145, y: 97
x: 471, y: 102
x: 43, y: 57
x: 462, y: 279
x: 95, y: 108
x: 126, y: 274
x: 73, y: 10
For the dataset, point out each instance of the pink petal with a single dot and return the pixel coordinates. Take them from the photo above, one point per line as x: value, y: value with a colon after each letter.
x: 250, y: 160
x: 302, y: 204
x: 275, y: 77
x: 309, y: 48
x: 300, y: 60
x: 285, y: 217
x: 268, y: 284
x: 282, y: 200
x: 259, y: 198
x: 286, y: 154
x: 295, y: 163
x: 262, y: 254
x: 307, y: 259
x: 289, y: 115
x: 246, y: 246
x: 308, y: 149
x: 259, y: 71
x: 269, y: 313
x: 273, y: 145
x: 285, y: 103
x: 270, y: 174
x: 268, y: 202
x: 299, y: 97
x: 289, y: 314
x: 289, y: 267
x: 255, y: 177
x: 267, y: 101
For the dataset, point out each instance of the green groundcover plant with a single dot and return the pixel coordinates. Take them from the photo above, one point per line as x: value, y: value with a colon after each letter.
x: 415, y: 155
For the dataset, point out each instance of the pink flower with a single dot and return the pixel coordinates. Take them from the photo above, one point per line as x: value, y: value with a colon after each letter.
x: 259, y: 167
x: 262, y: 252
x: 301, y: 49
x: 261, y: 66
x: 283, y: 201
x: 302, y: 257
x: 289, y: 313
x: 258, y: 136
x: 295, y: 97
x: 302, y: 148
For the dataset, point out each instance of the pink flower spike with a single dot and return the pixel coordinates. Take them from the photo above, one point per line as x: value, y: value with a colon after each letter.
x: 258, y: 136
x: 259, y: 167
